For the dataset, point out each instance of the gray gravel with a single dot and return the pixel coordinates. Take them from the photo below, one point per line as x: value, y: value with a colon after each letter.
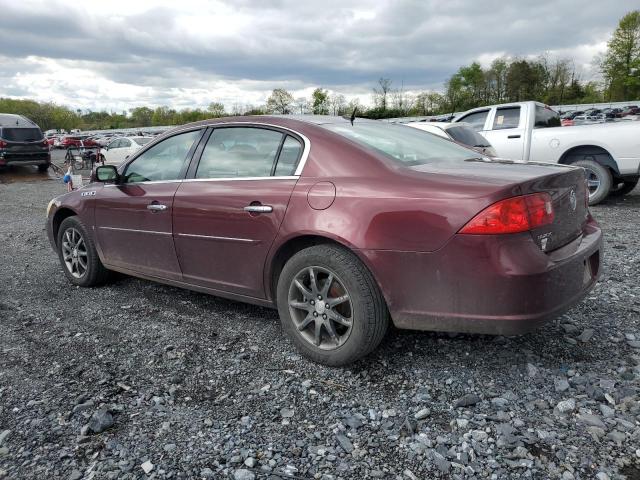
x: 138, y: 380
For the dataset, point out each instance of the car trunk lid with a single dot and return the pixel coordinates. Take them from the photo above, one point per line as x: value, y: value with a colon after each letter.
x: 565, y: 184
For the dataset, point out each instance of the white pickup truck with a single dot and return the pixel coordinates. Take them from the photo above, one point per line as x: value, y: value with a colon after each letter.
x: 531, y: 131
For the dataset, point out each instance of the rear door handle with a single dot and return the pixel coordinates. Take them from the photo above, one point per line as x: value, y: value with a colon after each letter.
x: 156, y: 207
x: 513, y: 136
x: 258, y: 208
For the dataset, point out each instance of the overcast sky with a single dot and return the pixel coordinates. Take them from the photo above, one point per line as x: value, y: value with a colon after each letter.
x: 115, y: 55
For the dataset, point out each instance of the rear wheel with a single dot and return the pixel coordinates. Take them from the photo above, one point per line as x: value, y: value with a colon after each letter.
x: 330, y: 306
x: 599, y: 179
x: 43, y: 168
x: 623, y: 188
x: 78, y: 254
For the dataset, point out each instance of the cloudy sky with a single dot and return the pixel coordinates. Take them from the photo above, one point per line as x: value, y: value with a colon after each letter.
x: 117, y: 54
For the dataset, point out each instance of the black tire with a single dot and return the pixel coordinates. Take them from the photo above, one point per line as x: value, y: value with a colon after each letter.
x: 43, y: 168
x: 370, y: 317
x: 623, y: 188
x: 603, y: 175
x: 95, y: 273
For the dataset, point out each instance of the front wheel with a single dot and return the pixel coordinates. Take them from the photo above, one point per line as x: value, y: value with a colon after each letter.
x: 330, y: 305
x: 78, y: 254
x: 599, y: 179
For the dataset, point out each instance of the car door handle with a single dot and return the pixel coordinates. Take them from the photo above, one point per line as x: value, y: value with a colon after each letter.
x: 258, y: 208
x: 156, y: 207
x: 513, y: 136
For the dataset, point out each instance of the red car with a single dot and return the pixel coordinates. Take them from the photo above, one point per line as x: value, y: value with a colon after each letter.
x: 77, y: 141
x: 343, y: 227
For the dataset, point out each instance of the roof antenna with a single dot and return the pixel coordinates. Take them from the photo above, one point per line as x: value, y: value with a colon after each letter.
x: 353, y: 115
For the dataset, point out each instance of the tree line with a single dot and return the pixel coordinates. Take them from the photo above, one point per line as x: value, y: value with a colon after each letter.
x: 553, y: 81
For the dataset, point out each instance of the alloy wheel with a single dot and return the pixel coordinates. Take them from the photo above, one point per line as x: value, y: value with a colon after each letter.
x: 321, y: 307
x: 593, y: 181
x: 74, y: 252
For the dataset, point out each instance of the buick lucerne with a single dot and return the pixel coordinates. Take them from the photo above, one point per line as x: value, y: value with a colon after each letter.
x: 342, y: 225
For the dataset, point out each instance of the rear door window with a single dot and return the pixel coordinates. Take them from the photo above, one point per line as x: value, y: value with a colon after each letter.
x: 507, y: 117
x: 239, y: 152
x: 476, y: 119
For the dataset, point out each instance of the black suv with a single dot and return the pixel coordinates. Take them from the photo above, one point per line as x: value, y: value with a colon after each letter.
x: 22, y: 143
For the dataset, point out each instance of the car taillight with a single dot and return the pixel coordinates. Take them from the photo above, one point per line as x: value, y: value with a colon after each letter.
x: 513, y: 215
x: 3, y: 144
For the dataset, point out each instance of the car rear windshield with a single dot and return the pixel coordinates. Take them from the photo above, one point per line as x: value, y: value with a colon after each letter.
x: 466, y: 135
x: 403, y: 144
x: 21, y: 134
x: 142, y: 140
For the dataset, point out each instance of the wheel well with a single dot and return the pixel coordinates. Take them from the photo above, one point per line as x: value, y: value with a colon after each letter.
x: 58, y: 218
x: 599, y: 154
x: 288, y: 250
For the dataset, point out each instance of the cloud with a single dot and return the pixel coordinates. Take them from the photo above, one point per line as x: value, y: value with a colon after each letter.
x: 118, y: 54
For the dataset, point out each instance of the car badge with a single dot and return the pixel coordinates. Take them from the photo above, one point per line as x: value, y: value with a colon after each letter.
x: 573, y: 201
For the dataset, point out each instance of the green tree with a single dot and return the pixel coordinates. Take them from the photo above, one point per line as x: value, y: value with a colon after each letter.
x: 216, y: 109
x: 620, y: 65
x: 280, y: 101
x: 141, y: 116
x: 320, y: 101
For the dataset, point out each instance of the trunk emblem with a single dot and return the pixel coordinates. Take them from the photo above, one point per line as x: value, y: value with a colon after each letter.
x: 573, y: 201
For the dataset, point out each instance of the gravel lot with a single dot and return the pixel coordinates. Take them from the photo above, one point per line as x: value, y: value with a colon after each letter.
x: 184, y: 385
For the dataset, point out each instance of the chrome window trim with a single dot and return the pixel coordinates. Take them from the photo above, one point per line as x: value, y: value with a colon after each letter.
x: 212, y: 237
x: 118, y: 229
x: 190, y: 180
x: 253, y: 179
x: 150, y: 182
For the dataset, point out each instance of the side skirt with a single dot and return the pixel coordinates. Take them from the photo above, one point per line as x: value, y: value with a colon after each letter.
x: 197, y: 288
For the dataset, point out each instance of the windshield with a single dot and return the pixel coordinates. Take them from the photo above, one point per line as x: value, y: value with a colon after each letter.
x: 403, y: 144
x: 142, y: 140
x: 22, y: 134
x: 468, y: 136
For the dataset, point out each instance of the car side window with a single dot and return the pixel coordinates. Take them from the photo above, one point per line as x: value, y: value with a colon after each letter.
x: 114, y: 144
x: 125, y: 143
x: 476, y: 119
x: 288, y: 158
x: 233, y: 152
x: 164, y: 161
x: 508, y: 117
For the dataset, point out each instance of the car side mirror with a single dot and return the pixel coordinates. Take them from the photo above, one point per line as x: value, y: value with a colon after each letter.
x: 107, y: 174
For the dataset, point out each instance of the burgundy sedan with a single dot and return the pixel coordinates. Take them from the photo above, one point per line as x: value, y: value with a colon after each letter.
x: 343, y: 227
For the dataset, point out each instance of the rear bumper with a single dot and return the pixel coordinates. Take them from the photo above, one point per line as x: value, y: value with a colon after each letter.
x: 502, y: 285
x: 26, y: 158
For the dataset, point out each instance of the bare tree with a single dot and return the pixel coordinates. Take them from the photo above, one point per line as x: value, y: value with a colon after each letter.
x: 302, y: 105
x: 337, y: 102
x: 381, y: 93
